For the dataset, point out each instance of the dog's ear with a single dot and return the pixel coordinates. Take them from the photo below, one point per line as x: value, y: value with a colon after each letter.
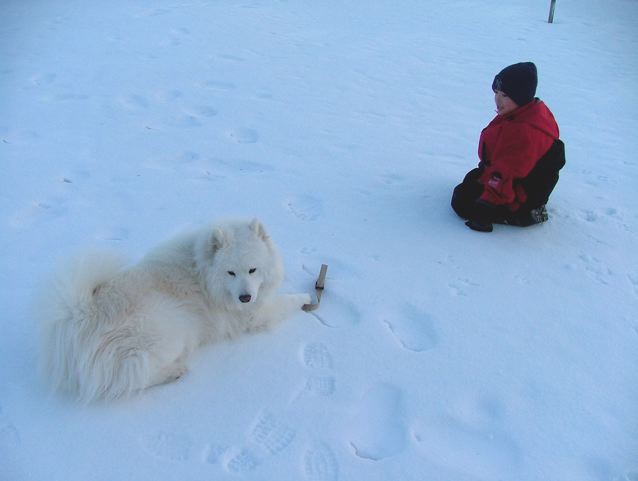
x: 257, y: 227
x: 218, y: 239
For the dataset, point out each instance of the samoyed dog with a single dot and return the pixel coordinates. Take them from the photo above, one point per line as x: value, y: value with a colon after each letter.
x: 109, y: 331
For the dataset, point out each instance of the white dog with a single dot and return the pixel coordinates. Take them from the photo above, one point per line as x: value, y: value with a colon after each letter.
x: 108, y: 331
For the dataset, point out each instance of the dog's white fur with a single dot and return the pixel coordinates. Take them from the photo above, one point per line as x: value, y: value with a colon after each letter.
x: 108, y: 331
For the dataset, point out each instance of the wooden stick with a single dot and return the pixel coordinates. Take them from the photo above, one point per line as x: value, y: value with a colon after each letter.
x: 319, y: 285
x: 552, y: 6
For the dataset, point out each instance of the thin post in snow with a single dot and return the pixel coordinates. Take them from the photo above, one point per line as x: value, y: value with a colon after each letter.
x: 552, y: 6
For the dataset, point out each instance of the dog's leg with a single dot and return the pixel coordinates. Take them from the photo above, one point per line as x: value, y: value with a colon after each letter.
x: 277, y: 308
x: 168, y: 374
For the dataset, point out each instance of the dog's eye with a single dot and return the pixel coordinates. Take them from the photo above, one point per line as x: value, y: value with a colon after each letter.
x: 231, y: 273
x: 252, y: 271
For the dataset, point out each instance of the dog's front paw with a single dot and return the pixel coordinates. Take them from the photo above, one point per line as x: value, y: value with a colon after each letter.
x: 300, y: 300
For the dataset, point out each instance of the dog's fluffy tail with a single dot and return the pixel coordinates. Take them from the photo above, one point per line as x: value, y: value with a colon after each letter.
x: 82, y: 350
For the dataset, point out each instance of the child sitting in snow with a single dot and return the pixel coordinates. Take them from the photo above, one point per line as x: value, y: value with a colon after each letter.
x: 520, y: 156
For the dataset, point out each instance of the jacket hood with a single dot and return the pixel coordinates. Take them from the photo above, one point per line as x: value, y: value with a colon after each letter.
x: 537, y: 115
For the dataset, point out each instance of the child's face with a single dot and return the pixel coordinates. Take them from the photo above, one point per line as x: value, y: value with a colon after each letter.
x: 504, y: 104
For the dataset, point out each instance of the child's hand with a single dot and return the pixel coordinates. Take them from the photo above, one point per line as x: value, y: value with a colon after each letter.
x: 484, y: 215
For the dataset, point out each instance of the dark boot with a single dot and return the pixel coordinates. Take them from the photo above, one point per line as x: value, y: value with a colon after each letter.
x: 531, y: 217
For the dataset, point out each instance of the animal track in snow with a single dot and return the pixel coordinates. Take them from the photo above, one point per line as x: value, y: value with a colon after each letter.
x: 218, y: 85
x: 243, y: 135
x: 186, y: 121
x: 377, y: 429
x: 192, y: 117
x: 231, y: 57
x: 414, y: 329
x: 175, y: 37
x: 522, y: 280
x: 320, y: 463
x: 609, y: 214
x: 152, y: 12
x: 166, y: 445
x: 39, y: 210
x: 115, y: 234
x: 242, y: 165
x: 168, y: 95
x: 391, y: 178
x: 305, y: 207
x: 9, y: 435
x: 596, y: 269
x: 202, y: 111
x: 460, y: 286
x: 43, y: 79
x: 134, y: 102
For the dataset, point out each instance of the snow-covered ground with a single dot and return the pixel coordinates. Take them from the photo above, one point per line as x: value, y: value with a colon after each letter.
x: 438, y: 353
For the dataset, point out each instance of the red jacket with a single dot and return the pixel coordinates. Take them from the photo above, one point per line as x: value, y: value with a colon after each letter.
x: 509, y: 148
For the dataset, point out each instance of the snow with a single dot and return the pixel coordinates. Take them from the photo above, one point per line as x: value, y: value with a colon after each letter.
x: 438, y: 352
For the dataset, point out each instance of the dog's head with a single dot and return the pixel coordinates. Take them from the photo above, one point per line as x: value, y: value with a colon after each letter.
x: 240, y: 264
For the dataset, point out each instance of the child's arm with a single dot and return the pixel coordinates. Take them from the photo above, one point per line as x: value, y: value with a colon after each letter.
x: 516, y: 152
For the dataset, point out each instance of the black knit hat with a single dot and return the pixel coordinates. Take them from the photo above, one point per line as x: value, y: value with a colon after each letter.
x: 518, y: 81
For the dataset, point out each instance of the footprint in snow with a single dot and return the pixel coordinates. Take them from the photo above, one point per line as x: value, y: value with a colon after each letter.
x: 336, y: 312
x: 316, y: 356
x: 376, y: 427
x: 476, y: 437
x: 320, y: 463
x: 413, y: 329
x: 268, y: 437
x: 242, y: 461
x: 167, y: 445
x: 320, y: 381
x: 271, y: 434
x: 213, y: 453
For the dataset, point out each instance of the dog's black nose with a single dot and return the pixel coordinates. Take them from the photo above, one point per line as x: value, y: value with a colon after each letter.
x: 245, y: 298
